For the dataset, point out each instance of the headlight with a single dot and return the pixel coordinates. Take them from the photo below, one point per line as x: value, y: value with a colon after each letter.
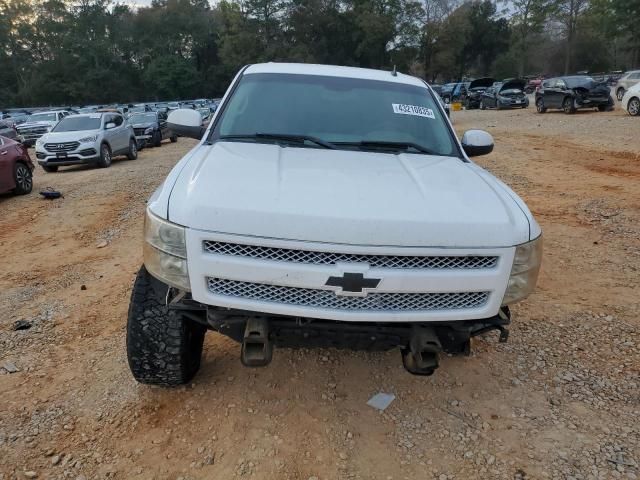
x: 148, y: 131
x: 89, y: 139
x: 165, y: 252
x: 524, y: 272
x: 39, y: 142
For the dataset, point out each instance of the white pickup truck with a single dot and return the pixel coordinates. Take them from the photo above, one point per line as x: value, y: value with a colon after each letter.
x: 332, y: 207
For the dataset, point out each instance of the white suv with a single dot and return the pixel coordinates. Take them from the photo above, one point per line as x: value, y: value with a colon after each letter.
x: 327, y: 206
x: 93, y: 138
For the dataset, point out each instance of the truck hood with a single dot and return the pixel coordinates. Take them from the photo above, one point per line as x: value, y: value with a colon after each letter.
x: 36, y: 124
x: 346, y: 197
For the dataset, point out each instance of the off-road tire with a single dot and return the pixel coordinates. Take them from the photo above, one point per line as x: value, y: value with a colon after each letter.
x: 163, y: 347
x: 567, y: 106
x: 620, y: 93
x: 540, y: 106
x: 132, y: 154
x: 23, y: 179
x: 173, y: 138
x: 50, y: 168
x: 105, y: 156
x: 157, y: 139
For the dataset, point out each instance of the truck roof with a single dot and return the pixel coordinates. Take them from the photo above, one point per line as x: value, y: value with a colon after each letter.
x: 334, y: 71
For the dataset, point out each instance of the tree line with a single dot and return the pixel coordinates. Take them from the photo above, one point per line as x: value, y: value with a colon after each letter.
x: 57, y: 52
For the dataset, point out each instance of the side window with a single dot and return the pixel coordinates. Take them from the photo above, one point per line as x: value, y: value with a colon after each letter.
x: 634, y: 76
x: 547, y: 84
x: 560, y: 83
x: 108, y: 118
x: 118, y: 120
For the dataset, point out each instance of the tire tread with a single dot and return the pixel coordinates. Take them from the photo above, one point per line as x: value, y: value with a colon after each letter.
x: 163, y: 347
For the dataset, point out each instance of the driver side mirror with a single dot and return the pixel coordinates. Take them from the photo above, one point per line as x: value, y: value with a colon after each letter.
x: 477, y: 142
x: 109, y: 126
x: 187, y: 123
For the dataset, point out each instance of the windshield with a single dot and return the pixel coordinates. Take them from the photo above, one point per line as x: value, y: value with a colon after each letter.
x: 574, y: 82
x: 338, y: 110
x: 142, y: 118
x: 79, y: 123
x: 43, y: 117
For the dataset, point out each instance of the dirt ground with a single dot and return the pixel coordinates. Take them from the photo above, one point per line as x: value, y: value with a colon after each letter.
x: 560, y: 400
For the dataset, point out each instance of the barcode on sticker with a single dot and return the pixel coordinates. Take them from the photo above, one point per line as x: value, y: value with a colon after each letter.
x: 415, y: 110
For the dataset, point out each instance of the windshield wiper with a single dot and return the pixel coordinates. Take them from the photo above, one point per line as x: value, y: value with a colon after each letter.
x: 383, y: 145
x: 281, y: 136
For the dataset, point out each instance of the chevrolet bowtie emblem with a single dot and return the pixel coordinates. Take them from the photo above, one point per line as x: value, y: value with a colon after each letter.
x: 352, y: 282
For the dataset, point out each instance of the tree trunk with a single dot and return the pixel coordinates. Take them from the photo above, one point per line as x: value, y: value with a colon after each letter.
x: 568, y: 51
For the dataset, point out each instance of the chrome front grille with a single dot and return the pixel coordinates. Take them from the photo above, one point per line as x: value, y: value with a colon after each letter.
x: 61, y: 147
x: 327, y: 299
x: 330, y: 258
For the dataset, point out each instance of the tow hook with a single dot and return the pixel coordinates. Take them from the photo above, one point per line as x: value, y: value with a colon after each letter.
x: 422, y: 356
x: 257, y: 349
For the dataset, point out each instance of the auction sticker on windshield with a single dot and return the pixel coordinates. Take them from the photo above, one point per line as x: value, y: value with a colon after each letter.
x: 414, y: 110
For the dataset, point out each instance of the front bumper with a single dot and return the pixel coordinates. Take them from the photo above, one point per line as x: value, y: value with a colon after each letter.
x: 516, y: 103
x: 286, y: 286
x: 84, y: 154
x: 591, y: 102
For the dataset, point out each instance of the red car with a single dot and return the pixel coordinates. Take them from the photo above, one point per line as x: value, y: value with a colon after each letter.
x: 16, y: 167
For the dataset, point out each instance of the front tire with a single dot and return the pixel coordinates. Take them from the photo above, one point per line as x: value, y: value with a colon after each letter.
x: 173, y: 138
x: 105, y: 156
x: 157, y: 139
x: 163, y: 347
x: 633, y: 107
x: 482, y: 105
x: 540, y: 106
x: 132, y: 154
x: 620, y: 93
x: 23, y: 179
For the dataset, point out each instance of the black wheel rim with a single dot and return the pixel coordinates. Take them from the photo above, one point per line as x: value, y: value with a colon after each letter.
x: 23, y: 178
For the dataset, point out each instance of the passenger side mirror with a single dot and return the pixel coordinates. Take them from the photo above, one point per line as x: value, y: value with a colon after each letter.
x: 109, y: 126
x: 477, y: 142
x: 186, y: 122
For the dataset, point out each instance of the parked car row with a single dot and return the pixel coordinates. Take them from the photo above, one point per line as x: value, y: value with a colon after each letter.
x: 568, y: 93
x: 91, y: 135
